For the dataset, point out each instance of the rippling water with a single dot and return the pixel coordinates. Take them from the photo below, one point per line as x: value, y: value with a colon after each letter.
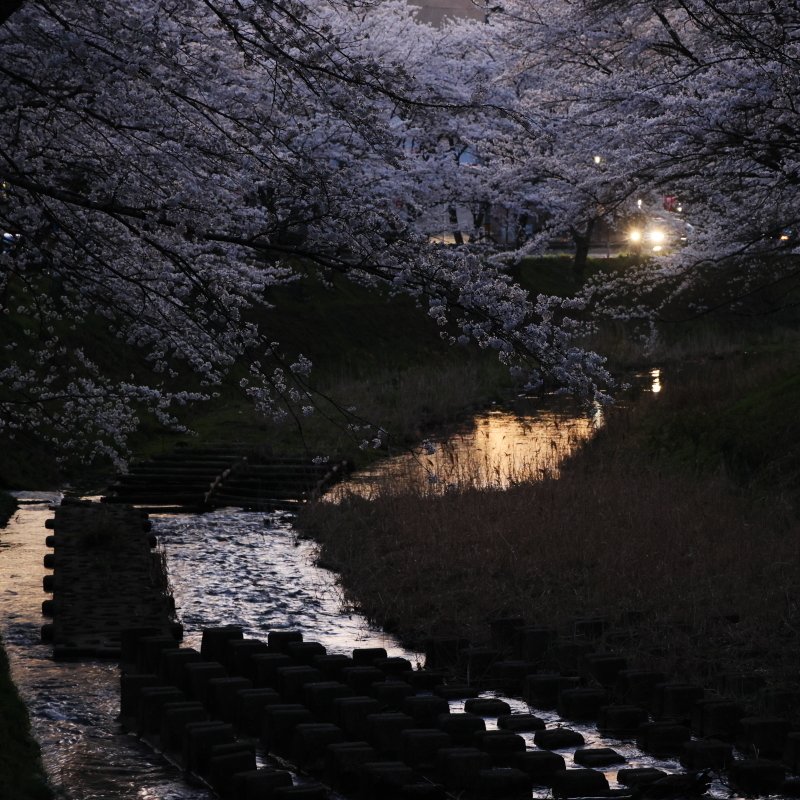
x: 228, y: 567
x: 496, y: 449
x: 248, y: 569
x: 72, y: 705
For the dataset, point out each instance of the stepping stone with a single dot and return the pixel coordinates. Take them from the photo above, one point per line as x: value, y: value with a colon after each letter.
x: 598, y: 757
x: 557, y: 739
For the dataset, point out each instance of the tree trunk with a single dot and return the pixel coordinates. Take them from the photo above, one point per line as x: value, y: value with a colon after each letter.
x: 582, y: 241
x: 458, y: 237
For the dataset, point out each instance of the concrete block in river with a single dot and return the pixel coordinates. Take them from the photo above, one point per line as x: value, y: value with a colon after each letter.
x: 309, y: 743
x: 598, y: 757
x: 425, y: 709
x: 175, y: 718
x: 129, y: 687
x: 542, y: 691
x: 579, y: 783
x: 278, y: 723
x: 504, y: 633
x: 278, y: 641
x: 223, y: 766
x: 639, y: 776
x: 427, y: 680
x: 259, y: 784
x: 419, y: 746
x: 605, y: 667
x: 171, y: 664
x: 637, y: 686
x: 384, y: 778
x: 557, y: 739
x: 509, y: 675
x: 129, y: 642
x: 501, y: 746
x: 716, y: 718
x: 332, y: 664
x: 238, y: 655
x: 791, y: 751
x: 568, y: 655
x: 461, y: 728
x: 319, y: 697
x: 365, y: 656
x: 422, y: 791
x: 706, y: 754
x: 459, y: 767
x: 675, y: 701
x: 394, y: 666
x: 199, y: 738
x: 621, y: 720
x: 249, y: 705
x: 361, y: 677
x: 540, y: 765
x: 351, y: 713
x: 582, y: 703
x: 504, y: 783
x: 384, y: 731
x: 456, y: 691
x: 521, y: 723
x: 264, y: 668
x: 150, y: 705
x: 291, y: 681
x: 306, y: 791
x: 220, y: 696
x: 343, y: 761
x: 757, y: 776
x: 663, y: 738
x: 443, y: 652
x: 534, y: 642
x: 391, y: 693
x: 198, y: 674
x: 148, y: 651
x: 476, y: 663
x: 487, y: 706
x: 305, y: 652
x: 762, y: 736
x: 214, y: 642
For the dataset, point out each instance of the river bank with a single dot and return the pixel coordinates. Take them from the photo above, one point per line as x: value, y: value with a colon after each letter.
x: 677, y: 524
x: 22, y: 775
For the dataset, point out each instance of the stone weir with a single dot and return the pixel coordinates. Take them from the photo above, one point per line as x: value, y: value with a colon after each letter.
x: 108, y: 575
x: 201, y: 479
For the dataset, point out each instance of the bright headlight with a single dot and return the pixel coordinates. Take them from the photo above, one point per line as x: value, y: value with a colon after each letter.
x: 656, y: 236
x: 635, y: 235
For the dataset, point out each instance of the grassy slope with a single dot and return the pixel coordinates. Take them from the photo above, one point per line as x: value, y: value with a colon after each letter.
x: 382, y: 354
x: 21, y: 773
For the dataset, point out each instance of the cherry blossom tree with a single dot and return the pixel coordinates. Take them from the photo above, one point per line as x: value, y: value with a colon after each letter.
x: 628, y: 102
x: 164, y: 163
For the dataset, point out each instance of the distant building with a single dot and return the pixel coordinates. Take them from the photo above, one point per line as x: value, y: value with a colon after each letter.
x: 436, y: 11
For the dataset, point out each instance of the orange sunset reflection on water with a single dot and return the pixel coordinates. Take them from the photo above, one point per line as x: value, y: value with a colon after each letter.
x: 498, y: 449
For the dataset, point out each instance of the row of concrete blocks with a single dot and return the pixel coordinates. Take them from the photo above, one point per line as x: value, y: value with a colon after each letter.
x: 395, y: 722
x: 87, y: 617
x: 662, y: 716
x: 518, y: 650
x: 394, y: 742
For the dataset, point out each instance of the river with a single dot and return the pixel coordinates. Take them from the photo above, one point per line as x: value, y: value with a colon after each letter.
x: 230, y: 567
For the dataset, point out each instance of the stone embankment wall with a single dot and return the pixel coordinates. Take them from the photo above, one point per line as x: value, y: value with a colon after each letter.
x: 365, y: 725
x: 108, y: 575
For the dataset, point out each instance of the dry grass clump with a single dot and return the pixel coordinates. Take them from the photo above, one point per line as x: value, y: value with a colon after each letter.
x: 696, y: 578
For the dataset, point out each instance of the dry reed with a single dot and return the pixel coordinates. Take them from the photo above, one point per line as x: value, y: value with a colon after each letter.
x: 698, y: 580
